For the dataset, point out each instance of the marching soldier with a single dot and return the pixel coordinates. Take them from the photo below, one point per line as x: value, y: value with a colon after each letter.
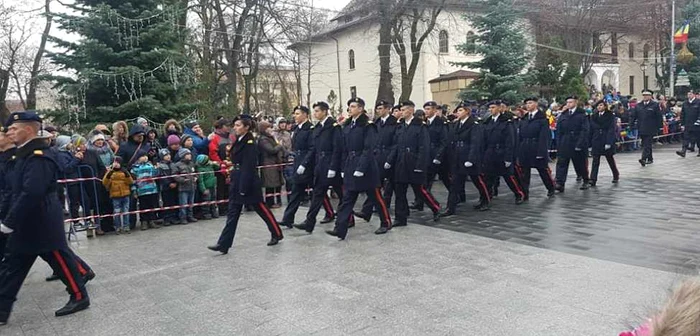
x: 690, y: 120
x: 326, y: 159
x: 246, y: 187
x: 437, y: 129
x: 533, y: 149
x: 499, y: 135
x: 572, y: 143
x: 359, y: 170
x: 302, y: 147
x: 7, y: 151
x: 410, y: 161
x: 386, y: 129
x: 465, y: 146
x: 649, y: 119
x: 34, y: 209
x: 603, y: 137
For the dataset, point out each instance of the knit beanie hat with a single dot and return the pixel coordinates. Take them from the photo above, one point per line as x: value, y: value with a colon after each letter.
x: 62, y: 141
x: 78, y: 140
x: 95, y: 137
x: 182, y: 152
x: 141, y: 120
x: 191, y: 124
x: 184, y: 138
x: 163, y: 152
x: 202, y: 159
x: 173, y: 139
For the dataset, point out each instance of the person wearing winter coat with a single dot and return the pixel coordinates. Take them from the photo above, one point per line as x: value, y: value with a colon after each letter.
x: 186, y: 180
x: 271, y: 153
x: 186, y: 142
x: 118, y: 183
x: 603, y: 138
x: 152, y: 141
x: 201, y: 142
x: 130, y: 151
x: 168, y: 187
x: 206, y: 185
x: 120, y: 134
x: 172, y: 127
x: 145, y: 190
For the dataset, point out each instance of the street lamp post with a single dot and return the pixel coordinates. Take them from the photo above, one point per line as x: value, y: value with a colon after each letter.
x: 245, y: 71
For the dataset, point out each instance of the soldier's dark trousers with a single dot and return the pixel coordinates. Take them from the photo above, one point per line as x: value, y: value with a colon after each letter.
x: 510, y: 181
x: 401, y: 208
x: 580, y: 162
x: 689, y: 140
x: 456, y: 187
x: 596, y: 165
x: 545, y: 175
x: 345, y: 216
x: 388, y: 193
x: 295, y: 198
x: 435, y: 170
x: 646, y: 147
x: 234, y: 213
x: 3, y: 243
x: 319, y: 198
x: 16, y: 266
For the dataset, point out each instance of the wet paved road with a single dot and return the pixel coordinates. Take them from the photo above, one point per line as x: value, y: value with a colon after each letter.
x: 651, y: 219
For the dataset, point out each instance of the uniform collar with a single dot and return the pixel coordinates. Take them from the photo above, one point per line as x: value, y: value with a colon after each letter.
x: 430, y: 120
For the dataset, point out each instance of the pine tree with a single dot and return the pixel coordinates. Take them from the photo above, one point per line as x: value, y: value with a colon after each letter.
x: 692, y: 12
x: 129, y: 61
x: 501, y: 42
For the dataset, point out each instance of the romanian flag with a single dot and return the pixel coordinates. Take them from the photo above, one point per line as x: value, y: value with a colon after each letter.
x: 681, y: 36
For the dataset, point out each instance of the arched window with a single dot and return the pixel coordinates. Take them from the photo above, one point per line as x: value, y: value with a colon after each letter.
x: 444, y: 46
x: 471, y: 43
x: 351, y: 59
x: 630, y: 52
x: 647, y: 50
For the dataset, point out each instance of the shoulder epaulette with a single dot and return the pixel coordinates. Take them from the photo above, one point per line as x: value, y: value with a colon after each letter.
x: 250, y: 142
x: 38, y: 152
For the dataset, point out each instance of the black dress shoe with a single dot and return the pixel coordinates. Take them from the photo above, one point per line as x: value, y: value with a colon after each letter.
x: 642, y: 162
x: 416, y: 207
x: 579, y: 178
x: 287, y: 225
x: 73, y: 306
x: 485, y: 207
x: 592, y: 183
x: 4, y: 316
x: 680, y: 153
x: 550, y: 193
x: 477, y: 206
x: 89, y: 276
x: 334, y: 233
x: 218, y: 248
x: 327, y: 220
x: 559, y: 188
x: 53, y: 277
x: 361, y: 215
x: 436, y: 216
x: 615, y: 181
x: 519, y: 201
x: 381, y: 230
x: 447, y: 213
x: 273, y: 241
x: 304, y: 227
x: 399, y: 224
x: 584, y: 186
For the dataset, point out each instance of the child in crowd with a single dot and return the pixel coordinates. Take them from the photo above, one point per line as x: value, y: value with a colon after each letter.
x: 207, y: 185
x: 146, y: 190
x: 186, y: 181
x: 174, y: 147
x: 168, y: 187
x: 187, y: 143
x: 118, y: 182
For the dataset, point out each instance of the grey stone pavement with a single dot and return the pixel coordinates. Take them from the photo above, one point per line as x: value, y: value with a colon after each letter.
x: 584, y: 263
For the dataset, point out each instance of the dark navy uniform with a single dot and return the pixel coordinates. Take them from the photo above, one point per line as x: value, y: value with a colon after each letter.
x: 35, y: 208
x: 410, y: 161
x: 603, y: 137
x: 386, y: 130
x: 466, y: 144
x: 360, y: 138
x: 245, y: 189
x: 7, y: 162
x: 690, y: 114
x: 438, y: 130
x: 572, y: 145
x: 326, y: 156
x: 499, y: 136
x: 302, y: 146
x: 533, y: 150
x: 648, y: 118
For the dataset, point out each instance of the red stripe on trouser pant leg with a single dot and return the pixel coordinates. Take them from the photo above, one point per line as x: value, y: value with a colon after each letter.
x: 68, y: 275
x: 484, y: 189
x: 327, y: 205
x: 517, y: 187
x: 385, y: 212
x: 271, y: 219
x: 81, y: 269
x: 429, y: 199
x: 585, y: 168
x: 551, y: 179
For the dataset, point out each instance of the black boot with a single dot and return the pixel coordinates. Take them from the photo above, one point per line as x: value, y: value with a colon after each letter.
x: 274, y: 241
x: 304, y: 227
x: 326, y: 220
x: 53, y: 277
x: 334, y: 233
x: 218, y: 248
x: 680, y: 153
x: 73, y: 306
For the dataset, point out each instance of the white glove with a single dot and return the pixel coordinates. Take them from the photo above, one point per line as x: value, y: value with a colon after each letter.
x: 508, y: 164
x: 6, y: 230
x: 387, y: 165
x: 468, y: 164
x: 607, y: 147
x: 437, y: 162
x: 577, y: 149
x: 358, y: 174
x: 417, y: 171
x: 301, y: 170
x: 342, y: 175
x: 331, y: 174
x: 539, y: 158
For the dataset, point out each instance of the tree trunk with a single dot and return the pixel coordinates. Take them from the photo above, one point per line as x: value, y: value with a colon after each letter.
x: 33, y: 80
x: 4, y: 85
x: 385, y: 90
